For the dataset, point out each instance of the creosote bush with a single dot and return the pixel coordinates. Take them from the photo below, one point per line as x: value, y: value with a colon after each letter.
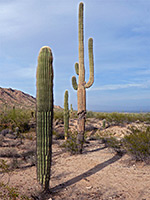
x: 11, y: 193
x: 4, y: 167
x: 19, y: 118
x: 115, y: 144
x: 137, y: 144
x: 71, y: 143
x: 90, y: 114
x: 59, y: 115
x: 122, y: 117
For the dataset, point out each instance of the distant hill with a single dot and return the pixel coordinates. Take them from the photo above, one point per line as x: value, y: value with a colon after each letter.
x: 10, y: 97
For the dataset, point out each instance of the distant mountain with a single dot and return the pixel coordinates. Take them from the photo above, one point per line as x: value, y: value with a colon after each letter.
x: 10, y: 97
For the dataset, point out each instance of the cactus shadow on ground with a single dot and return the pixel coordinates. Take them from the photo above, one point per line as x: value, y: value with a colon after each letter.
x: 76, y: 179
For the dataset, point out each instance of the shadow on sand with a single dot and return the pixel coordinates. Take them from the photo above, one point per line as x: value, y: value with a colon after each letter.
x: 76, y: 179
x: 86, y: 174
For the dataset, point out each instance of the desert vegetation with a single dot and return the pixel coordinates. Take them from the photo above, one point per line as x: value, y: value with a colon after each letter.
x: 58, y: 154
x: 15, y: 118
x: 124, y: 134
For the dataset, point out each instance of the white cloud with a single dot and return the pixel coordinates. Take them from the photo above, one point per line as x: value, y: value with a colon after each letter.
x: 121, y: 86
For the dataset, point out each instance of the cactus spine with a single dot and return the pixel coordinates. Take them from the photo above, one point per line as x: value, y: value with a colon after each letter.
x: 66, y: 115
x: 44, y: 97
x: 82, y: 85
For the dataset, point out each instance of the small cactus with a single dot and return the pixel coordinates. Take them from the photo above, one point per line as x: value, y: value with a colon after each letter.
x: 104, y: 123
x: 66, y: 115
x: 71, y: 109
x: 44, y: 114
x: 82, y: 85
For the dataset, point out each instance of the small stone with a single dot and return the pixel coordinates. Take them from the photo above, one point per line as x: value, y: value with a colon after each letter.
x: 89, y: 187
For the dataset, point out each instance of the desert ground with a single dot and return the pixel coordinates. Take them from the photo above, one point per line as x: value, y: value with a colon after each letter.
x: 99, y: 173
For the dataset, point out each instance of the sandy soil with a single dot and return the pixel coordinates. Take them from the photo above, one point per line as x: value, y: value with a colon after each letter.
x: 97, y: 174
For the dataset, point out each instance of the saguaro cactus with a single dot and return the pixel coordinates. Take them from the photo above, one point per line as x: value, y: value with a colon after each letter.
x: 82, y: 85
x: 66, y: 115
x: 44, y: 100
x: 71, y: 109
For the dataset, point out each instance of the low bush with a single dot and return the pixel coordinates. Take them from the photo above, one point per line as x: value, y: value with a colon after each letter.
x: 58, y: 115
x: 15, y: 118
x: 115, y: 144
x: 123, y: 117
x: 71, y: 143
x: 137, y: 144
x: 11, y: 193
x: 4, y: 167
x: 90, y: 114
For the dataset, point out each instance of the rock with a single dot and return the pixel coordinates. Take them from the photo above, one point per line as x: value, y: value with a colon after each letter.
x: 11, y: 136
x: 90, y: 127
x: 58, y: 136
x: 57, y: 122
x: 58, y: 133
x: 11, y: 143
x: 6, y: 131
x: 89, y: 187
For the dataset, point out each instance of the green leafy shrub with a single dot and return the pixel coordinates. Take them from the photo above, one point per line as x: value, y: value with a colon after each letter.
x: 4, y: 167
x: 12, y: 119
x: 58, y: 136
x: 59, y: 115
x: 115, y: 144
x: 137, y: 144
x: 90, y: 114
x: 71, y: 143
x: 11, y: 193
x: 123, y: 117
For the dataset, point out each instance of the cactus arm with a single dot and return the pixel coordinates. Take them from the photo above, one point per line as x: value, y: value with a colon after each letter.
x: 91, y: 64
x: 77, y: 68
x: 74, y: 83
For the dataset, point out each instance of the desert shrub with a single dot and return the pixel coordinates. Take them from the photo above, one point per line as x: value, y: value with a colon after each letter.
x: 123, y: 117
x: 115, y: 144
x: 58, y: 115
x: 73, y: 115
x: 4, y: 167
x: 137, y: 144
x: 15, y: 118
x: 71, y: 143
x: 28, y: 136
x: 90, y: 114
x: 15, y: 164
x: 11, y: 193
x: 58, y: 135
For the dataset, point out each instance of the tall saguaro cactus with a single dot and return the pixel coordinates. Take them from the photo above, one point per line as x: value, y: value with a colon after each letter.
x: 82, y: 85
x: 66, y: 115
x: 44, y: 100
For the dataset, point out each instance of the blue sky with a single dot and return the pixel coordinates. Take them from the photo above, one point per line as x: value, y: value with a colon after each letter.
x: 121, y: 34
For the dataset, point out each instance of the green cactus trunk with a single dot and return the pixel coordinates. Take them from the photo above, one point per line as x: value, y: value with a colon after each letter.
x: 82, y: 85
x: 66, y: 115
x: 44, y: 100
x: 71, y: 109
